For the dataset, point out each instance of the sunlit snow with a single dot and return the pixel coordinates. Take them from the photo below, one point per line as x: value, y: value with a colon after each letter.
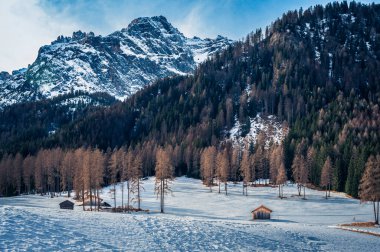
x: 195, y: 220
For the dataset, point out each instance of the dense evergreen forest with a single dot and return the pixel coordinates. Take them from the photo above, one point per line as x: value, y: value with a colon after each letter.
x: 315, y: 69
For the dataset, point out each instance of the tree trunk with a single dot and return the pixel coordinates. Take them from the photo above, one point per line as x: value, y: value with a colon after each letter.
x: 326, y: 192
x: 244, y: 185
x: 299, y: 188
x: 219, y: 185
x: 225, y: 187
x: 90, y: 199
x: 97, y: 194
x: 162, y: 196
x: 58, y: 186
x: 304, y: 195
x: 68, y: 190
x: 128, y: 189
x: 122, y: 196
x: 329, y: 189
x: 374, y: 212
x: 83, y: 197
x: 114, y: 195
x: 138, y: 193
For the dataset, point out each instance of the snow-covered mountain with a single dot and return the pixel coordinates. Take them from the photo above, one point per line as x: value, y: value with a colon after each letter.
x: 119, y: 64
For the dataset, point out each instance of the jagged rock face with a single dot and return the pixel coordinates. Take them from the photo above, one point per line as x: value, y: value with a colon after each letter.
x: 119, y: 64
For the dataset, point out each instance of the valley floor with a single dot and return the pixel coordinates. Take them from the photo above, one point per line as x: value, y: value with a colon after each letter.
x: 195, y: 220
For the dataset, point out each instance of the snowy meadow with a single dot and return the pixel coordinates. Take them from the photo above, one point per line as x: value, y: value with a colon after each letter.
x: 195, y: 219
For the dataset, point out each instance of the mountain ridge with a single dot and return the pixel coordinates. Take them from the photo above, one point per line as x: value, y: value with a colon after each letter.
x: 119, y: 64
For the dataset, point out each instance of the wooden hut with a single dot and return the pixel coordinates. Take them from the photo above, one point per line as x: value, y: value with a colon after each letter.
x: 66, y: 205
x: 261, y: 213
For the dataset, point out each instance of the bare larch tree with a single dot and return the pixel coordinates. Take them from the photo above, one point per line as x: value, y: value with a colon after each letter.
x: 164, y: 173
x: 369, y: 188
x: 327, y: 175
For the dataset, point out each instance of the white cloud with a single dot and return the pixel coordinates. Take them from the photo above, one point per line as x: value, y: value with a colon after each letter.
x: 194, y: 24
x: 24, y: 28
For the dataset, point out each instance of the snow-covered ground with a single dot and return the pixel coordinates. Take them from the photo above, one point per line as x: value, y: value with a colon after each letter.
x: 195, y: 220
x: 274, y: 131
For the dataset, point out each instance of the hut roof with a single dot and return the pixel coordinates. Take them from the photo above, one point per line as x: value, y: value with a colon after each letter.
x: 263, y: 208
x: 66, y: 203
x: 105, y: 204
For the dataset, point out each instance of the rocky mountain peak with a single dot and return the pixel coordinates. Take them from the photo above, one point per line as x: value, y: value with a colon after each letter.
x: 119, y: 64
x: 156, y: 27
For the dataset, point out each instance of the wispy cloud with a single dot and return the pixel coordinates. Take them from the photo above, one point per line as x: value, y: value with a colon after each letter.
x: 193, y: 24
x: 24, y: 28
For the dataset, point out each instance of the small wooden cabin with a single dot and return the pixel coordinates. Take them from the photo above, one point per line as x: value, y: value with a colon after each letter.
x: 67, y: 204
x: 261, y: 213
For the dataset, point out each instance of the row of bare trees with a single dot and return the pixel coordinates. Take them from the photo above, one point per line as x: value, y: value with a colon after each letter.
x: 126, y: 167
x: 87, y: 170
x: 84, y: 170
x: 304, y: 160
x: 218, y: 165
x: 234, y: 164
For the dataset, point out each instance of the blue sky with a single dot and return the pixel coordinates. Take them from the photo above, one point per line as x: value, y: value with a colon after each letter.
x: 206, y: 18
x: 27, y: 25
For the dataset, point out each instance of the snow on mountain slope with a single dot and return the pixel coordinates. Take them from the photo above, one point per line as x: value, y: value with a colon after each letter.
x: 195, y: 220
x: 119, y: 64
x: 271, y: 128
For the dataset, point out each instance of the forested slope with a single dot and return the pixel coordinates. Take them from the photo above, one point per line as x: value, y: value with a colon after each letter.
x: 315, y: 69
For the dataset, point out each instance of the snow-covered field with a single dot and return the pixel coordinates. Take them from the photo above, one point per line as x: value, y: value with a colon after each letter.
x: 195, y: 220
